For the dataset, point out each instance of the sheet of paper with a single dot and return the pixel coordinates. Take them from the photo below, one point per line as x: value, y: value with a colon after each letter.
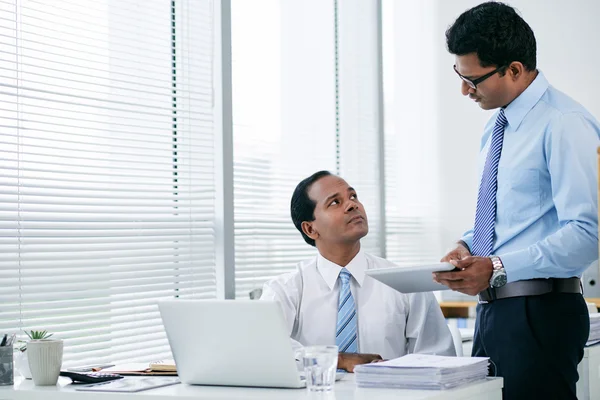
x: 129, y: 384
x: 428, y: 361
x: 140, y: 367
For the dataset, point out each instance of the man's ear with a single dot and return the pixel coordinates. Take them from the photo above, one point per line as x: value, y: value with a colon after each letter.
x: 515, y: 69
x: 309, y: 230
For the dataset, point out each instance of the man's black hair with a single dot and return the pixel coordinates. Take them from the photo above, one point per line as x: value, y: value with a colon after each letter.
x: 302, y: 207
x: 496, y: 33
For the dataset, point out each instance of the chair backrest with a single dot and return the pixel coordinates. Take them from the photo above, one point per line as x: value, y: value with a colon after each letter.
x: 457, y: 339
x: 255, y: 294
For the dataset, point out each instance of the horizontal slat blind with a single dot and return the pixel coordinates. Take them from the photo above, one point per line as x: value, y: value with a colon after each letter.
x: 284, y: 127
x: 358, y: 100
x: 411, y: 146
x: 106, y: 169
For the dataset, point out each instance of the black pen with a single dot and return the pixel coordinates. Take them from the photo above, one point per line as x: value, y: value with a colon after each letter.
x: 4, y: 340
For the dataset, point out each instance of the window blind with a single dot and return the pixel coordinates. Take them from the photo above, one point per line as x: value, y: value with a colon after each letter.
x: 283, y: 124
x: 411, y: 145
x: 107, y: 169
x: 358, y: 111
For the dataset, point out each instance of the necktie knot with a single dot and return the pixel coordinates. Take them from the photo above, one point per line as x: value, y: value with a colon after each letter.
x: 501, y: 120
x: 345, y: 276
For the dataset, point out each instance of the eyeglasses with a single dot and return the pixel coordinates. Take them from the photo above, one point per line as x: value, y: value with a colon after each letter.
x: 473, y: 83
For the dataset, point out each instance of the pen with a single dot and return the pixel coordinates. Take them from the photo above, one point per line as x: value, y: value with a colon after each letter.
x: 4, y: 340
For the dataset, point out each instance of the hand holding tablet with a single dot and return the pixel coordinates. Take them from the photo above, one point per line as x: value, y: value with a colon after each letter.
x: 411, y: 279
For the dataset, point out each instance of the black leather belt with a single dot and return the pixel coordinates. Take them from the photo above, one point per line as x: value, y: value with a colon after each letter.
x: 532, y: 287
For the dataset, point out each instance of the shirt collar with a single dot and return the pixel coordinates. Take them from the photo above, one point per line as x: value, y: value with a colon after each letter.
x: 516, y: 111
x: 330, y: 271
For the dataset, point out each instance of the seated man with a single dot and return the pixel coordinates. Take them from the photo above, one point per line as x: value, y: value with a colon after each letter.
x: 329, y: 299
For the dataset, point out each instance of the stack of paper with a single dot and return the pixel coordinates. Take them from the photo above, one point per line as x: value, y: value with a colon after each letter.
x: 594, y: 329
x: 421, y: 371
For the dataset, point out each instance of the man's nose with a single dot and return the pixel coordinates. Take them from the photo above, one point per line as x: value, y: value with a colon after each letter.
x: 351, y: 205
x: 466, y: 89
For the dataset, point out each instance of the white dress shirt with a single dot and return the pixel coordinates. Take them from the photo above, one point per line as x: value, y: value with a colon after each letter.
x: 390, y: 323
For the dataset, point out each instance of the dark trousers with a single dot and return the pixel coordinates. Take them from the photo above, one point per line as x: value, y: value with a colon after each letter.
x: 535, y: 343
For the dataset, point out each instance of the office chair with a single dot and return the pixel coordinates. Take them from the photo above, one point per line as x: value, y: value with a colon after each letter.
x: 457, y: 339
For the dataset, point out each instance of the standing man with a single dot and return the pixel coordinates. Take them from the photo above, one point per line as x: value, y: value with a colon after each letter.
x: 536, y: 223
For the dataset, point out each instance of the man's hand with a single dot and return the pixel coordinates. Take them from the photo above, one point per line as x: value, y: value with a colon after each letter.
x: 347, y: 361
x: 460, y: 252
x: 473, y: 277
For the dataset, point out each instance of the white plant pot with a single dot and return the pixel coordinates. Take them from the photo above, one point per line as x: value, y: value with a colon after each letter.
x: 45, y: 360
x: 22, y: 364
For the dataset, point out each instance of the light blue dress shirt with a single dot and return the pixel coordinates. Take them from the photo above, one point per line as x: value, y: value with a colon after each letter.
x: 547, y: 198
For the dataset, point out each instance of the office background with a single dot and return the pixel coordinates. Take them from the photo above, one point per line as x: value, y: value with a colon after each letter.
x: 136, y: 165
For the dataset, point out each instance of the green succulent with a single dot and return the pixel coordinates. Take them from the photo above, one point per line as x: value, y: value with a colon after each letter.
x: 34, y: 335
x: 37, y: 335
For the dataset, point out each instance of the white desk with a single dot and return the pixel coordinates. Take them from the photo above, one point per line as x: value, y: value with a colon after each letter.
x: 490, y: 389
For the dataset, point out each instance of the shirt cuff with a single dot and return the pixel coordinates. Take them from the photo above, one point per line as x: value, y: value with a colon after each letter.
x: 517, y: 265
x: 468, y: 239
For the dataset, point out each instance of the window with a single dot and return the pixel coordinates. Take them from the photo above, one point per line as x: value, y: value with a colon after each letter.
x: 284, y: 127
x: 305, y: 98
x: 107, y: 169
x: 360, y: 132
x: 411, y: 169
x: 115, y: 167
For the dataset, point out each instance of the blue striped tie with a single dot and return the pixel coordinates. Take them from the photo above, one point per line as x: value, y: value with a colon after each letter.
x: 345, y: 335
x: 485, y: 214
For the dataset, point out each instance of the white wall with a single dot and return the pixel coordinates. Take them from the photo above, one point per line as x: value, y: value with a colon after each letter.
x: 568, y: 38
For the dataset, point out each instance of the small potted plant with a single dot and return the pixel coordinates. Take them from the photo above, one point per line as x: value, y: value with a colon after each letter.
x: 44, y: 356
x: 21, y: 361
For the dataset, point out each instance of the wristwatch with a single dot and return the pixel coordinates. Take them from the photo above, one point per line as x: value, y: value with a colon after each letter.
x: 498, y: 278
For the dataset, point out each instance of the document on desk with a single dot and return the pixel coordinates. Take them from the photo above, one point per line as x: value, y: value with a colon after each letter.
x: 129, y: 384
x: 143, y: 369
x: 428, y: 361
x: 422, y: 371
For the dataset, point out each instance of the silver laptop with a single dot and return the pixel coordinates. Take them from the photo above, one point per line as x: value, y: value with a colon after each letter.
x: 230, y: 343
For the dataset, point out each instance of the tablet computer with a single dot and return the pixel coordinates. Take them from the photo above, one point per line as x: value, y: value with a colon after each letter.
x: 411, y: 279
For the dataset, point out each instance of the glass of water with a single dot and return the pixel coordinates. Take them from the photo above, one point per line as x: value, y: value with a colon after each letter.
x: 320, y: 365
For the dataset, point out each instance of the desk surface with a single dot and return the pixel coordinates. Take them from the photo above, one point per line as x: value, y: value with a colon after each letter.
x: 490, y: 389
x: 460, y: 309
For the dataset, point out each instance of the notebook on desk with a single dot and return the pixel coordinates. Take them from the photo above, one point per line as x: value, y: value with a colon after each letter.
x: 156, y: 368
x: 163, y: 366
